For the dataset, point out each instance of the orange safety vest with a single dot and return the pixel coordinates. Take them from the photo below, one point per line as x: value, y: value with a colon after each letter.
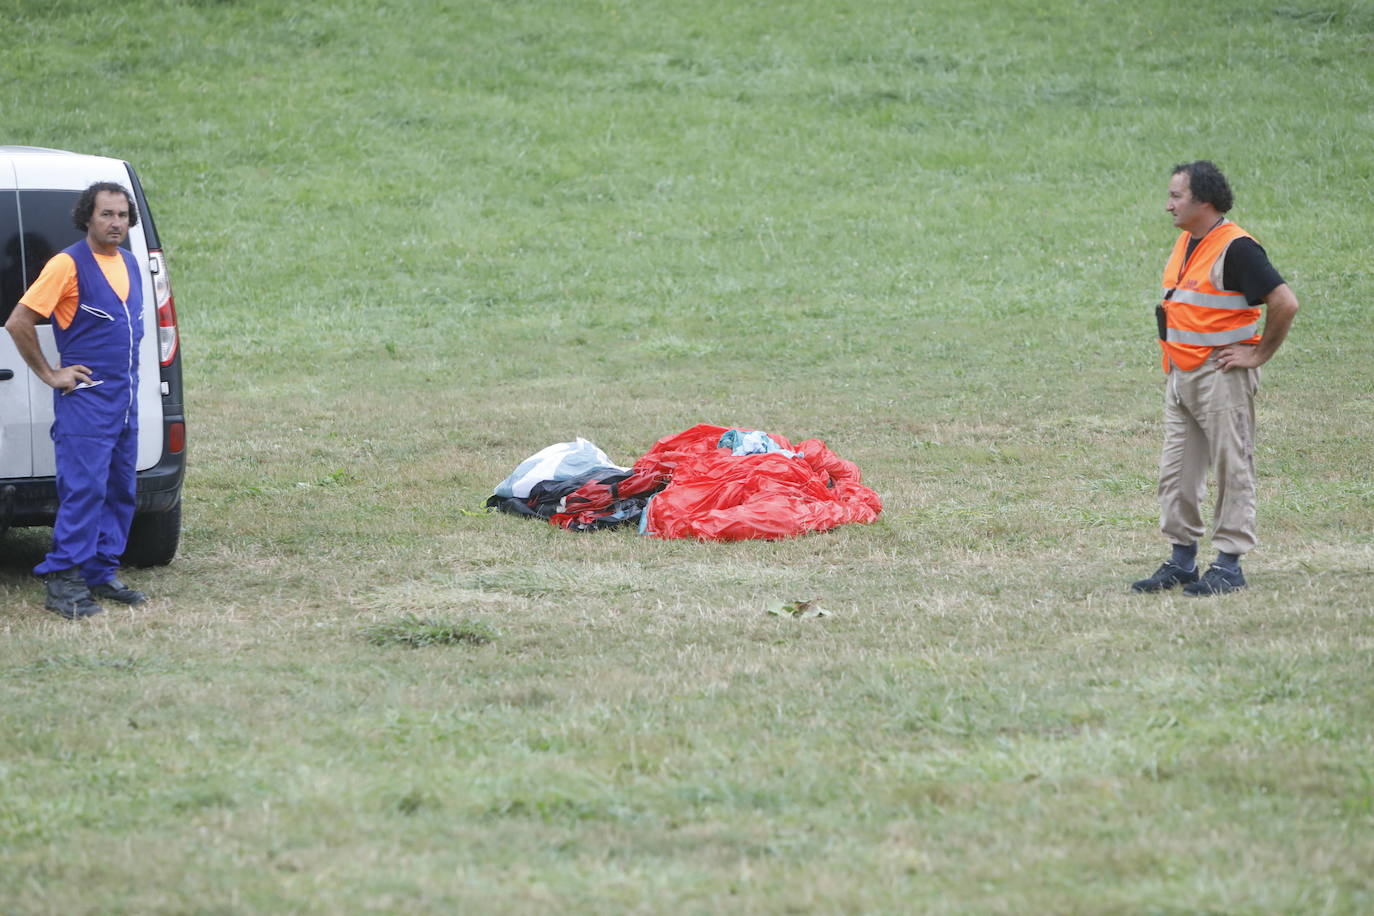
x: 1198, y: 313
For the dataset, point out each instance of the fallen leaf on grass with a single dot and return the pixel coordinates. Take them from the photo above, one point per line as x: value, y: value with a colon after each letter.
x: 808, y: 608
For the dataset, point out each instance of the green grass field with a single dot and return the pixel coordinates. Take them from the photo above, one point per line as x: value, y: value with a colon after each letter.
x: 414, y: 241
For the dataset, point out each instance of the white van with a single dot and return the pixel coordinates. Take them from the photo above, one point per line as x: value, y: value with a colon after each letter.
x: 38, y: 190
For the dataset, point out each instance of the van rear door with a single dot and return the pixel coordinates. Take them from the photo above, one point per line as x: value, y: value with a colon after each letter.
x: 16, y: 430
x: 51, y: 186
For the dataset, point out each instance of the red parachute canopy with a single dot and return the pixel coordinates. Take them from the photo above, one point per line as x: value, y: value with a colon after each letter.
x: 711, y: 494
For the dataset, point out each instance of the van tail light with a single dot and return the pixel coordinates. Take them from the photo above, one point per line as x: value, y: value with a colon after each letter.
x: 176, y: 438
x: 167, y: 339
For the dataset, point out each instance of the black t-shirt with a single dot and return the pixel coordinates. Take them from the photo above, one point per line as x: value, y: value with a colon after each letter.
x: 1246, y: 269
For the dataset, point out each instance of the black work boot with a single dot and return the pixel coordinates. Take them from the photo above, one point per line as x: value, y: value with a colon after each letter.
x: 1218, y: 580
x: 69, y: 596
x: 1168, y: 575
x: 115, y: 590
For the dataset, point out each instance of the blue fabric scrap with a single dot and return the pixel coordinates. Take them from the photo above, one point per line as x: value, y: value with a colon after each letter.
x: 751, y: 442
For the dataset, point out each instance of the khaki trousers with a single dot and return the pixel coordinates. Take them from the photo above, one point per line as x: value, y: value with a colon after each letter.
x: 1209, y: 424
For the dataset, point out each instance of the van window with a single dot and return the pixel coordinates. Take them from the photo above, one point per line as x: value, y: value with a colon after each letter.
x: 11, y: 255
x: 48, y: 227
x: 47, y: 230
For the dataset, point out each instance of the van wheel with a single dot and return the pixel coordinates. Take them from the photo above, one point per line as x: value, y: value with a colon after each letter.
x: 153, y: 538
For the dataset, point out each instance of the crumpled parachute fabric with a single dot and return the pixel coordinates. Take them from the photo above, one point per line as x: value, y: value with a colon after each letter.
x: 559, y: 462
x: 698, y: 489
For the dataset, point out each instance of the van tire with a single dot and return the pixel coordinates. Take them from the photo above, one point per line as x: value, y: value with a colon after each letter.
x: 153, y: 538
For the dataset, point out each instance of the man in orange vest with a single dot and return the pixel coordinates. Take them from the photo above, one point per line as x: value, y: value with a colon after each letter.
x: 1214, y: 283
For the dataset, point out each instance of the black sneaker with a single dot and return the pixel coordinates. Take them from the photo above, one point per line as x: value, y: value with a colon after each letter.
x: 115, y: 590
x: 69, y: 596
x: 1167, y: 576
x: 1218, y: 580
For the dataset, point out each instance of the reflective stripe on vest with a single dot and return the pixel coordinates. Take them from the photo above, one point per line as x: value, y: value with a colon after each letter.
x: 1214, y: 339
x: 1199, y: 315
x: 1207, y: 300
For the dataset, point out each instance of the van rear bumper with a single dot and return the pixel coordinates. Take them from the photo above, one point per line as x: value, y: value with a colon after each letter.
x: 31, y: 501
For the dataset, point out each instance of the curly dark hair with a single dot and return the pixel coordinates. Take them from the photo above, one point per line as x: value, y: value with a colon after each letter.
x: 1207, y: 184
x: 85, y: 204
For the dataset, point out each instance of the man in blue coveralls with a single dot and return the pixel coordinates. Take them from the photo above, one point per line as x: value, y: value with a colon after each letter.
x: 93, y: 293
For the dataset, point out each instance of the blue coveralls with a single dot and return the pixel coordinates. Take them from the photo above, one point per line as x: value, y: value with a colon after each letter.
x: 95, y: 430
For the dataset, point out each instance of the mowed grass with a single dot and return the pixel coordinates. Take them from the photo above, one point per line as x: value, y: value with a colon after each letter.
x: 414, y: 242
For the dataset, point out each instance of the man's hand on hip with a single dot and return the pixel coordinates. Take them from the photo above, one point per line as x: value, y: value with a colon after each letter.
x: 67, y: 378
x: 1238, y: 356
